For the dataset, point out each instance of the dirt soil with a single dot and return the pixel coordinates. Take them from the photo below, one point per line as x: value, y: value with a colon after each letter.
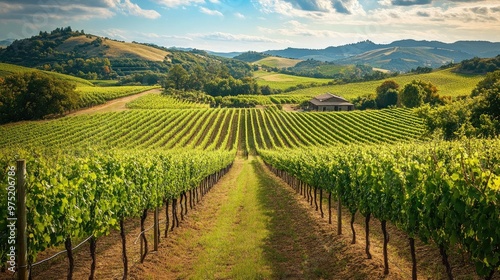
x: 114, y: 105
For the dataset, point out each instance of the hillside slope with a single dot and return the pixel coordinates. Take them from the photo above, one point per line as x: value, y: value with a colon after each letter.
x: 407, y: 54
x: 8, y: 69
x: 92, y: 57
x: 406, y: 58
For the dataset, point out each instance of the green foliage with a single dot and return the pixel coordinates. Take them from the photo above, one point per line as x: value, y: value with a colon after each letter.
x: 251, y: 56
x: 231, y: 86
x: 480, y: 66
x: 444, y: 192
x: 417, y: 93
x: 412, y: 95
x: 177, y: 78
x: 365, y: 102
x: 421, y: 70
x: 478, y: 115
x: 31, y: 96
x: 9, y: 69
x: 81, y: 193
x: 387, y: 94
x: 144, y: 78
x: 90, y: 68
x: 190, y: 96
x: 157, y: 101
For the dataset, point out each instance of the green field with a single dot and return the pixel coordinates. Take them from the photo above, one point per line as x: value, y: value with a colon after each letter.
x: 283, y: 81
x: 279, y: 62
x: 447, y: 82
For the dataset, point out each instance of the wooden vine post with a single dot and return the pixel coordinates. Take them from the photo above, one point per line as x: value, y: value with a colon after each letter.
x: 156, y: 239
x: 22, y: 238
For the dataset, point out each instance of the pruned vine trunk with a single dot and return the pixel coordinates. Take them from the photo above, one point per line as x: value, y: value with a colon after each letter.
x: 144, y: 241
x: 71, y: 261
x: 185, y: 204
x: 167, y: 218
x: 321, y: 203
x: 367, y: 232
x: 175, y: 219
x: 446, y: 263
x: 386, y: 240
x: 353, y: 216
x: 191, y: 199
x: 182, y: 208
x: 413, y: 259
x: 330, y: 208
x: 310, y: 195
x: 124, y: 250
x: 315, y: 198
x: 93, y: 245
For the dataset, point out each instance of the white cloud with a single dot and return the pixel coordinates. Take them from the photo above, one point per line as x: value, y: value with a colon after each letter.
x: 211, y: 12
x: 222, y: 36
x: 6, y: 8
x: 296, y: 28
x: 72, y: 10
x: 311, y: 8
x: 177, y: 3
x: 128, y: 7
x: 239, y: 15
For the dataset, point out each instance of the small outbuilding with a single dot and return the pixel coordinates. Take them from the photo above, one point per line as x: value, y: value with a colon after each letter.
x: 330, y: 102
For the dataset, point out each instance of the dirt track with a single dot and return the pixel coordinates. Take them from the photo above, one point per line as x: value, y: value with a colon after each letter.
x: 114, y: 105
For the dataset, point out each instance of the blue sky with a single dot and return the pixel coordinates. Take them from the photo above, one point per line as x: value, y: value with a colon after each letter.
x: 259, y: 25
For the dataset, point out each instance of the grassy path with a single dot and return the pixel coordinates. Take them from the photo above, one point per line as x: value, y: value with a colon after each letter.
x: 251, y: 226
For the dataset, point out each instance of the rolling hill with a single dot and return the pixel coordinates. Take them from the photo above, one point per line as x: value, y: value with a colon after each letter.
x: 404, y: 59
x: 92, y: 57
x: 397, y: 56
x: 7, y: 69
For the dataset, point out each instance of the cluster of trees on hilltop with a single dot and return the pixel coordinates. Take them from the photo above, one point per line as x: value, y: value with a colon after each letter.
x: 40, y: 49
x: 251, y: 56
x: 478, y: 65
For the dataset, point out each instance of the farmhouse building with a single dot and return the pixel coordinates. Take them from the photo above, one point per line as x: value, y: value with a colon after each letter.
x: 330, y: 102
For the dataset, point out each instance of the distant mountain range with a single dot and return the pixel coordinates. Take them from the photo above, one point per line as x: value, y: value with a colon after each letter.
x: 5, y: 43
x: 397, y: 56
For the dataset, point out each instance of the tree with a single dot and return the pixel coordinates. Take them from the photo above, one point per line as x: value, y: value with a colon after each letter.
x: 34, y: 95
x: 365, y: 102
x: 177, y: 77
x: 412, y: 95
x: 387, y: 94
x: 487, y: 100
x: 417, y: 93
